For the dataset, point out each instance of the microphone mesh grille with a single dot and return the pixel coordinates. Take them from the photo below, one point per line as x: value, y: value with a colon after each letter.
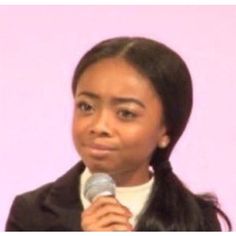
x: 99, y: 184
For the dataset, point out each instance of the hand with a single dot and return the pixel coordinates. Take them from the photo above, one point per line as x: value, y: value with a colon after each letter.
x: 106, y: 214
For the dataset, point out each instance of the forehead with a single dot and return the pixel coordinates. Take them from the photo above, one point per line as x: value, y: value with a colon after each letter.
x: 113, y: 77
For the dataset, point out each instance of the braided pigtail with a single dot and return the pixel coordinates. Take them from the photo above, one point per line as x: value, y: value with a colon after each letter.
x: 171, y: 206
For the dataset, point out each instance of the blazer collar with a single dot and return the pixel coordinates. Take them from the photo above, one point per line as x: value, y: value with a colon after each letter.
x: 63, y: 200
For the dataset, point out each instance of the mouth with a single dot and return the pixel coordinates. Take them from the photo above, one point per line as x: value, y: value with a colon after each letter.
x: 99, y: 150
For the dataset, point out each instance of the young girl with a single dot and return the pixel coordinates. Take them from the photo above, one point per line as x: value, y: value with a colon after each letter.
x: 133, y: 98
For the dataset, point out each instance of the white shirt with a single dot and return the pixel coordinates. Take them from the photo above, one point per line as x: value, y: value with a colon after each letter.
x: 134, y: 197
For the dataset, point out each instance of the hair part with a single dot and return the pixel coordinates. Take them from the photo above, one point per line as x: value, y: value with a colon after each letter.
x: 164, y: 68
x: 171, y: 205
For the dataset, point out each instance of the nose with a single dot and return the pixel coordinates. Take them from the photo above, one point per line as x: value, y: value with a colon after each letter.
x: 101, y: 124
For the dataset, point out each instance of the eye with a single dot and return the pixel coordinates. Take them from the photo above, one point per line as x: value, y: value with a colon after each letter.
x: 125, y: 114
x: 85, y: 107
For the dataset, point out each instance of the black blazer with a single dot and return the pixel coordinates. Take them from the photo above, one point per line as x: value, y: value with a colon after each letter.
x: 53, y: 207
x: 57, y: 207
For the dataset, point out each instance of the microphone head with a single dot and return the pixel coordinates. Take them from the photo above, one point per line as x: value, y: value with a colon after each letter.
x: 99, y: 184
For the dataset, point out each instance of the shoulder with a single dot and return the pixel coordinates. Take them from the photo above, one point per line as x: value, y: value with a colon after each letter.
x: 34, y: 210
x: 36, y: 195
x: 25, y: 206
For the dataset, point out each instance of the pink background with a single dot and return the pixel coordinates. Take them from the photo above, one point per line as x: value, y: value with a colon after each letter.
x: 39, y: 48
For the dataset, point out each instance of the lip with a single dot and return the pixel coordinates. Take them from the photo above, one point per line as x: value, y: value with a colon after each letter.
x: 100, y: 149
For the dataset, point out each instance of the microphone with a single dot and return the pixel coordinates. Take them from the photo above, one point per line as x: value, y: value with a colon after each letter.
x: 99, y: 184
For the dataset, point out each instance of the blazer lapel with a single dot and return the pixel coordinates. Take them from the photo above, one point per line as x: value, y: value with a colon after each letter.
x: 64, y: 202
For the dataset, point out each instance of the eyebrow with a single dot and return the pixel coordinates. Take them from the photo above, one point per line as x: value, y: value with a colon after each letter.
x: 115, y: 99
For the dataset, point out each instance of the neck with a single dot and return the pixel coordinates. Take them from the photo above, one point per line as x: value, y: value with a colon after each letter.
x: 130, y: 179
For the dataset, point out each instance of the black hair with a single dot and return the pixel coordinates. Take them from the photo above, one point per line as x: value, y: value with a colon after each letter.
x: 171, y: 205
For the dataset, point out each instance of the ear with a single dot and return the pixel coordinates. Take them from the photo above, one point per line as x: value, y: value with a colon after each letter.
x: 164, y: 141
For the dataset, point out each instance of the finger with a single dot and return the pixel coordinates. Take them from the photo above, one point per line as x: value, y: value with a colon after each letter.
x: 112, y: 209
x: 108, y: 223
x: 100, y: 201
x: 109, y: 227
x: 119, y: 227
x: 111, y: 219
x: 105, y: 212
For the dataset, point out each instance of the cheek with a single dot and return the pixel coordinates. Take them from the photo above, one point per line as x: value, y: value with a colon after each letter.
x: 77, y: 128
x: 74, y: 126
x: 141, y: 140
x: 75, y: 131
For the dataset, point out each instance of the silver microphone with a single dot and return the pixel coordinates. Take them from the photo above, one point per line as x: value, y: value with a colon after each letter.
x: 99, y: 184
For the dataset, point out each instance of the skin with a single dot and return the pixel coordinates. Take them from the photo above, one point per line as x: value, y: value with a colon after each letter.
x: 106, y: 214
x: 117, y: 124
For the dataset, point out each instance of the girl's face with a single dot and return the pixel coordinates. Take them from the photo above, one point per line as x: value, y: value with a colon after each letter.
x: 117, y: 121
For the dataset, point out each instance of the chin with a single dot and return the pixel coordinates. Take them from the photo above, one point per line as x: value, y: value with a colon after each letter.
x: 97, y: 167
